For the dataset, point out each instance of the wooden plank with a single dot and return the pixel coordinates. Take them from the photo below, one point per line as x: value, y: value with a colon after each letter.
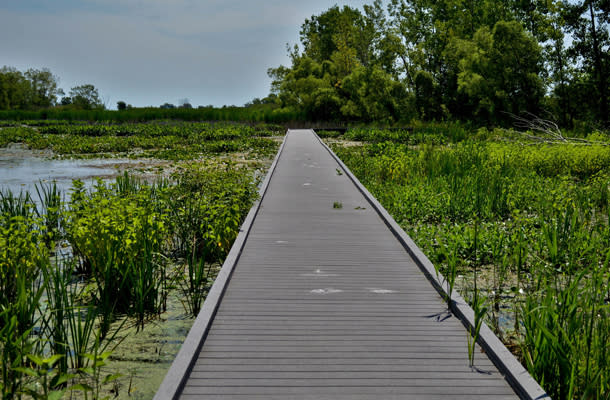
x: 349, y: 397
x: 445, y: 390
x: 299, y: 380
x: 322, y: 363
x: 452, y: 369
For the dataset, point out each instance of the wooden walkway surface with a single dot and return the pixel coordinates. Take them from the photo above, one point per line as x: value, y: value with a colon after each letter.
x: 326, y: 303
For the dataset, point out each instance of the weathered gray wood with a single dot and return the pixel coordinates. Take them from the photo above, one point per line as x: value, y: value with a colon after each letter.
x: 351, y: 397
x: 327, y: 303
x: 269, y: 388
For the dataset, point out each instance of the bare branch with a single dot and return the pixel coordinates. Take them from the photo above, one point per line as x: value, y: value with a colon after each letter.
x: 545, y: 130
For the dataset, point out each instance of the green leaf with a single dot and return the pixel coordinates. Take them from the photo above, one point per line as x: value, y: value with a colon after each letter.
x: 61, y: 378
x: 110, y: 378
x: 53, y: 359
x: 36, y: 360
x: 56, y: 395
x: 27, y: 371
x: 82, y: 386
x: 87, y: 370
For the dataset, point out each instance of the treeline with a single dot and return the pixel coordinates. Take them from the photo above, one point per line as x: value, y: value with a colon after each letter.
x: 479, y: 60
x: 233, y: 113
x: 36, y: 89
x: 35, y: 95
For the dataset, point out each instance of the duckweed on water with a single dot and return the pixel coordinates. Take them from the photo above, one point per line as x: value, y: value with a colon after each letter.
x: 167, y: 140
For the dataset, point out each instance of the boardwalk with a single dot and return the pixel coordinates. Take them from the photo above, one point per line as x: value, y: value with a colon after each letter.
x: 324, y: 302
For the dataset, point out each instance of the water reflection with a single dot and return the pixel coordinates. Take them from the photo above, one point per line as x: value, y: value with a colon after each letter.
x: 21, y: 169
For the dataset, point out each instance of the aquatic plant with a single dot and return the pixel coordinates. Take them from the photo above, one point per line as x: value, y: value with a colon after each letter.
x: 197, y: 283
x: 118, y: 235
x: 49, y: 210
x: 22, y: 257
x: 539, y: 263
x: 122, y: 242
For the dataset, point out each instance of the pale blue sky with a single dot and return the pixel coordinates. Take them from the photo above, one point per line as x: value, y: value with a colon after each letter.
x: 147, y: 52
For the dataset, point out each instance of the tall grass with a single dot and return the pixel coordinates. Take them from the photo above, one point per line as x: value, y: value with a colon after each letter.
x: 232, y: 113
x: 49, y: 210
x: 123, y: 248
x: 197, y: 283
x: 23, y: 256
x: 540, y: 260
x: 15, y: 205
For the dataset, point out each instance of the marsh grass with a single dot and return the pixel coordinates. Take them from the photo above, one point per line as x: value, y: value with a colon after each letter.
x: 49, y: 210
x: 533, y: 221
x: 23, y: 256
x: 63, y: 314
x: 197, y: 284
x: 16, y: 205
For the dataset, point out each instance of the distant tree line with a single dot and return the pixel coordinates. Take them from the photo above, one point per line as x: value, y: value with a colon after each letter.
x: 38, y: 88
x: 479, y: 60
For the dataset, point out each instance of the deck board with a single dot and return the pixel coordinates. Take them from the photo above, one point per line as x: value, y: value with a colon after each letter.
x: 326, y: 303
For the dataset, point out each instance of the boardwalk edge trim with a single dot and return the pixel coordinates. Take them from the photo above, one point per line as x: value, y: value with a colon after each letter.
x: 178, y: 373
x: 517, y: 376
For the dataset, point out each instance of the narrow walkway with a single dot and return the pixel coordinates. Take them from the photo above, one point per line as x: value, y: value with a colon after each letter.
x: 325, y: 303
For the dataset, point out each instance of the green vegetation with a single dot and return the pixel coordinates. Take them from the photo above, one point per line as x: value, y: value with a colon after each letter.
x: 520, y: 227
x: 401, y: 60
x: 395, y: 62
x: 169, y: 140
x: 77, y: 273
x: 270, y: 114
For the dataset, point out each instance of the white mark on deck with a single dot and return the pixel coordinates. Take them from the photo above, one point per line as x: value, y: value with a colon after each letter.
x: 307, y: 184
x: 280, y: 241
x: 380, y: 291
x: 326, y: 291
x: 319, y: 272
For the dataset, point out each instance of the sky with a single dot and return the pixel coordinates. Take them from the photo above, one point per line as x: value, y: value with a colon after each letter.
x: 149, y: 52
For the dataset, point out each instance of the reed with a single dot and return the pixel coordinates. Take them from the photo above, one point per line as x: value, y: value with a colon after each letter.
x: 197, y: 284
x: 58, y: 315
x: 22, y: 257
x: 537, y: 219
x: 49, y: 210
x: 13, y: 205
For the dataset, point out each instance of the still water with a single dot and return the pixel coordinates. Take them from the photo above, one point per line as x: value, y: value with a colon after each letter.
x: 21, y: 169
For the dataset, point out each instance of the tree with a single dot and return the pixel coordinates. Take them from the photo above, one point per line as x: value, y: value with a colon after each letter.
x: 499, y: 71
x: 121, y: 105
x: 184, y: 103
x: 86, y: 97
x: 588, y: 22
x: 425, y: 95
x: 373, y: 95
x: 43, y: 88
x: 13, y: 89
x: 319, y: 34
